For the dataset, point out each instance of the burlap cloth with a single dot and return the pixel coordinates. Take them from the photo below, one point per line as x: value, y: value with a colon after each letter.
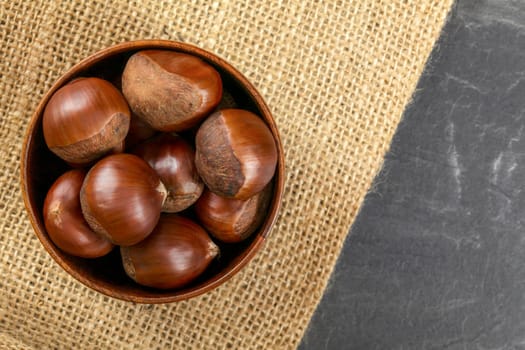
x: 337, y: 76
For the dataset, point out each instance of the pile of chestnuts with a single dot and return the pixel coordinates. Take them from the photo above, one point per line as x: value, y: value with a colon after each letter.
x: 159, y: 165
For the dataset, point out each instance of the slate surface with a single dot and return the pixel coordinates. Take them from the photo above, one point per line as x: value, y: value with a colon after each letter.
x: 436, y: 257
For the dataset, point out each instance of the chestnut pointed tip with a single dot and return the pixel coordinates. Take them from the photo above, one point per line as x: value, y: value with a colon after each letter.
x: 213, y: 250
x: 161, y: 188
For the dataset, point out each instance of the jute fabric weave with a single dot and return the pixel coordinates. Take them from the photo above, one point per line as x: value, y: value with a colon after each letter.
x: 337, y: 76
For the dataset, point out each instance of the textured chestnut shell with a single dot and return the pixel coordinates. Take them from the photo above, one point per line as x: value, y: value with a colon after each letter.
x: 173, y: 160
x: 85, y: 119
x: 64, y: 222
x: 121, y: 198
x: 235, y: 154
x: 175, y: 253
x: 232, y: 220
x: 170, y: 91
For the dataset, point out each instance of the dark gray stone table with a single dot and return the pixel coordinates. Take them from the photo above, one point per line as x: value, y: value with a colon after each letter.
x: 436, y: 257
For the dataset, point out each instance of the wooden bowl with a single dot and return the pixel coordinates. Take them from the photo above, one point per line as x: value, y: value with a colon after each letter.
x: 40, y: 168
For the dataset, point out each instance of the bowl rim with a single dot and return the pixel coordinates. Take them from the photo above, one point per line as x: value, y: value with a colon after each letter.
x: 247, y: 86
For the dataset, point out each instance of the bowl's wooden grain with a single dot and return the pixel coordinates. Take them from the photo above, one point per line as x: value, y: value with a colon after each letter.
x: 39, y: 169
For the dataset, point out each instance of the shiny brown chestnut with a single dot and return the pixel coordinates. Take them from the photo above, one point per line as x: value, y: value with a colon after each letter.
x: 232, y: 220
x: 175, y: 253
x: 64, y: 222
x: 171, y: 91
x: 121, y: 198
x: 85, y: 119
x: 235, y: 153
x: 173, y: 160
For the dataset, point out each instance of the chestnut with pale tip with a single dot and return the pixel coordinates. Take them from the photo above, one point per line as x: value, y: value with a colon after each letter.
x: 84, y: 120
x: 232, y: 220
x: 170, y: 91
x: 65, y: 223
x: 173, y: 160
x: 121, y: 198
x: 175, y: 254
x: 235, y: 153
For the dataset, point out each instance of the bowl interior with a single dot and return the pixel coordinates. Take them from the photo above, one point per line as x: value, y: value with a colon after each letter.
x: 40, y: 168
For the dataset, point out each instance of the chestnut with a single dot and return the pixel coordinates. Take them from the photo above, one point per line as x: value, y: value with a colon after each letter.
x: 235, y: 153
x: 121, y: 198
x: 171, y: 91
x: 85, y: 119
x: 175, y: 253
x: 232, y: 220
x: 64, y: 222
x: 173, y: 160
